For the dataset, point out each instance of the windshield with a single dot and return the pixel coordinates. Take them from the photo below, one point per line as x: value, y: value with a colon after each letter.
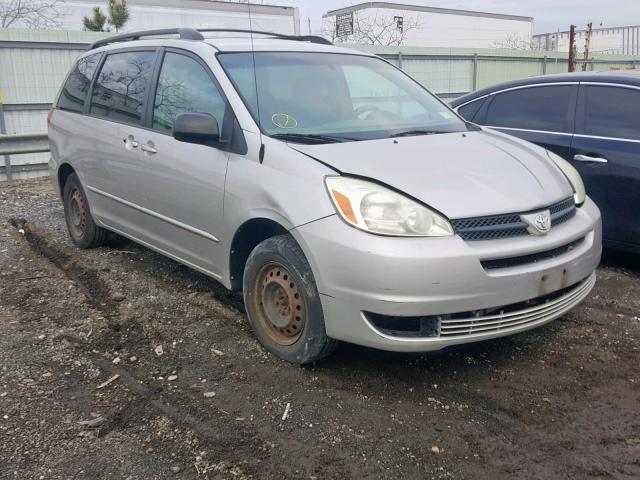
x: 329, y: 97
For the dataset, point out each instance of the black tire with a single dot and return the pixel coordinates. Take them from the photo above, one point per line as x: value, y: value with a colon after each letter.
x: 82, y: 229
x: 283, y: 304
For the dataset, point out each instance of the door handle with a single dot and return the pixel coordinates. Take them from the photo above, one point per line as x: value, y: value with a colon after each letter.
x: 148, y: 148
x: 130, y: 142
x: 589, y: 159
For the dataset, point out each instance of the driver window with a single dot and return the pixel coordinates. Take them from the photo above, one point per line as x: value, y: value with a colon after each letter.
x: 185, y: 86
x: 371, y: 91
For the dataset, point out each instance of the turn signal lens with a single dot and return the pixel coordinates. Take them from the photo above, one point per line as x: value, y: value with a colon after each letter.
x: 345, y: 206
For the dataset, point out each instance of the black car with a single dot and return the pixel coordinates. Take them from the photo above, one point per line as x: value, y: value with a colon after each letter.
x: 590, y: 119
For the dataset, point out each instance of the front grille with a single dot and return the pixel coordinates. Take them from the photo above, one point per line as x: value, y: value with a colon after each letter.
x: 486, y: 321
x: 531, y: 258
x: 508, y: 225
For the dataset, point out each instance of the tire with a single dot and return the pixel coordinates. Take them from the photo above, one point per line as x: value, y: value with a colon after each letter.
x: 283, y: 304
x: 82, y: 229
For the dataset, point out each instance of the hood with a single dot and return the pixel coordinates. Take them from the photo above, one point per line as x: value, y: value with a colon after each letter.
x: 461, y: 175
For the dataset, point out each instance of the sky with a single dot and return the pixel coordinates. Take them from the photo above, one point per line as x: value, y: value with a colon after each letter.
x: 549, y: 15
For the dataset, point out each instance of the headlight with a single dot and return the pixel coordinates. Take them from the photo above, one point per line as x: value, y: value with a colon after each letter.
x: 377, y: 209
x: 572, y: 175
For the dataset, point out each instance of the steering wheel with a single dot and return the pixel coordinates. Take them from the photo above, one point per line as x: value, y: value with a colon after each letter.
x: 362, y: 109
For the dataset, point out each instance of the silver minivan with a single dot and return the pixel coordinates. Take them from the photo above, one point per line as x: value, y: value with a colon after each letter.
x: 344, y: 200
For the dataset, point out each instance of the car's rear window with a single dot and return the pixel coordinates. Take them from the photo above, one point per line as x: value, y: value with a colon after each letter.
x: 612, y: 112
x: 76, y: 88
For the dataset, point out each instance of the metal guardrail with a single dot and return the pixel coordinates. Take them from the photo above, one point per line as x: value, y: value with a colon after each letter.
x: 16, y: 144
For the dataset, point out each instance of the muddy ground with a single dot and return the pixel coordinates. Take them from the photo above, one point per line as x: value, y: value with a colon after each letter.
x: 562, y: 401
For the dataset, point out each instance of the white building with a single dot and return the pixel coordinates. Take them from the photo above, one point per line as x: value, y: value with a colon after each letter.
x: 152, y: 14
x: 384, y: 23
x: 607, y: 40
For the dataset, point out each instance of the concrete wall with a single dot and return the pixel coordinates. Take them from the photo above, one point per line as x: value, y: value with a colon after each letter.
x: 442, y: 27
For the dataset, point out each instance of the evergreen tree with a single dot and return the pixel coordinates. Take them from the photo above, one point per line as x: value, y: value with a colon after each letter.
x: 95, y: 23
x: 118, y: 13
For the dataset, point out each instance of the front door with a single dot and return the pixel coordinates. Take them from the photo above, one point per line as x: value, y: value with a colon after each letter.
x: 606, y: 152
x: 182, y: 185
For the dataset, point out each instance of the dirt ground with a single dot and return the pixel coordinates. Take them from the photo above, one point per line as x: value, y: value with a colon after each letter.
x: 197, y: 397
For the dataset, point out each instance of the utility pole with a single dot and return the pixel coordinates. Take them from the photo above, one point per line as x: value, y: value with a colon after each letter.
x: 309, y: 23
x: 572, y: 46
x: 587, y: 42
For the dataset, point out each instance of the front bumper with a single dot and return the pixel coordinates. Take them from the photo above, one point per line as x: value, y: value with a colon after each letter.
x: 358, y: 273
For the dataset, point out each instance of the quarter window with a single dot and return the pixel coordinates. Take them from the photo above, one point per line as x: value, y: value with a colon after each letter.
x: 612, y: 112
x: 76, y: 88
x: 120, y: 90
x: 185, y: 86
x: 534, y: 108
x: 469, y: 110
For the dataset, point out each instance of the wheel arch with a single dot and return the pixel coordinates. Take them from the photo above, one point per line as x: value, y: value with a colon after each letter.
x: 245, y: 239
x: 63, y: 173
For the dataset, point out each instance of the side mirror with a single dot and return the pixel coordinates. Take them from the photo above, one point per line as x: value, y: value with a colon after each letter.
x: 200, y: 128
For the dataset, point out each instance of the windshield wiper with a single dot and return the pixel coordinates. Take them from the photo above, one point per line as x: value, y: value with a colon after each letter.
x: 310, y: 138
x: 411, y: 133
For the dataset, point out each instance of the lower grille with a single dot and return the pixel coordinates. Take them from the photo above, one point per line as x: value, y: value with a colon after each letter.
x: 508, y: 225
x: 531, y: 258
x: 517, y: 315
x: 481, y: 322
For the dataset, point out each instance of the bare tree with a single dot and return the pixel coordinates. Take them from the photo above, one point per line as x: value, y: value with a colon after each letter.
x: 513, y: 41
x: 30, y: 13
x: 378, y: 29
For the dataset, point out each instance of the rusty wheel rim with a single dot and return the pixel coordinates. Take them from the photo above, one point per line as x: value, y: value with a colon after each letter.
x: 77, y: 214
x: 280, y: 307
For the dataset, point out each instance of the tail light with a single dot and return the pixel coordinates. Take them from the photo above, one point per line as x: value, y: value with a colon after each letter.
x: 49, y: 117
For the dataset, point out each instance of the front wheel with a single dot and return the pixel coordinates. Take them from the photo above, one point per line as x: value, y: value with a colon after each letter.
x: 283, y: 304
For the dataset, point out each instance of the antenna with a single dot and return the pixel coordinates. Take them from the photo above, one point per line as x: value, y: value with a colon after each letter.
x: 255, y: 83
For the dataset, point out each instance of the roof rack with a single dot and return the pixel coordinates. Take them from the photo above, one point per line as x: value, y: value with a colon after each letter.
x: 282, y: 36
x: 193, y: 34
x: 183, y: 33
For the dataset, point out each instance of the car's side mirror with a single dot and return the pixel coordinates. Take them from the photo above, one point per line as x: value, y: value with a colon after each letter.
x: 200, y: 128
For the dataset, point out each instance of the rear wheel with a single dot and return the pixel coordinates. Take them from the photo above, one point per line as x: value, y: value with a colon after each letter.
x: 283, y: 304
x: 82, y: 229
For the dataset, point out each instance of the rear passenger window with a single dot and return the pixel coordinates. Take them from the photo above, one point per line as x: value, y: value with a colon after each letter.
x: 612, y: 112
x: 535, y: 108
x: 121, y: 87
x: 185, y: 86
x: 76, y: 88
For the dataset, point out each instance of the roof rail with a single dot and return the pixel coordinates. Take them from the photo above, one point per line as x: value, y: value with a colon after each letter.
x: 283, y: 36
x: 193, y: 34
x: 183, y: 33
